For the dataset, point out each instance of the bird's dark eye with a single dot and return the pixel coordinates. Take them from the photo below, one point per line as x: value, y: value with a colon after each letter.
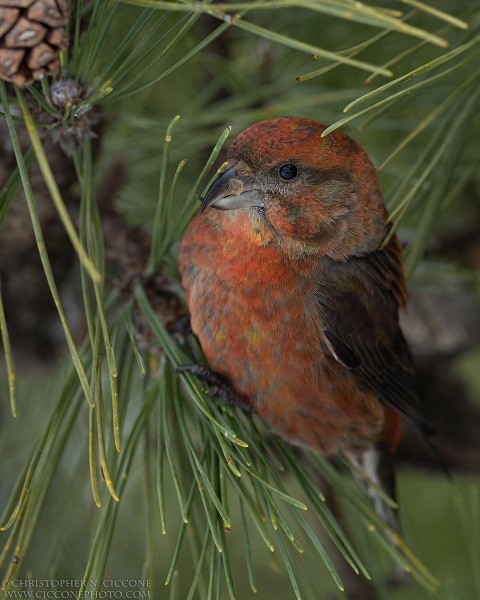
x: 288, y: 171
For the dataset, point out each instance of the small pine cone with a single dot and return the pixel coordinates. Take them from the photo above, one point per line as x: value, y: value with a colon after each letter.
x: 32, y: 33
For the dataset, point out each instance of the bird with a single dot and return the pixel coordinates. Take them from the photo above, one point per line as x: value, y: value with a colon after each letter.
x: 294, y: 295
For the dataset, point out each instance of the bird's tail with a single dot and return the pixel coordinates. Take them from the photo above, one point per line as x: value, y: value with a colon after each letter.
x: 377, y: 476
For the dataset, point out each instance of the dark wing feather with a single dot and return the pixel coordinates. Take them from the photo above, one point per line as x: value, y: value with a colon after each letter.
x: 358, y: 302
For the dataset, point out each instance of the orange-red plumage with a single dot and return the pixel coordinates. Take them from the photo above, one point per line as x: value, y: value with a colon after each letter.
x: 291, y: 295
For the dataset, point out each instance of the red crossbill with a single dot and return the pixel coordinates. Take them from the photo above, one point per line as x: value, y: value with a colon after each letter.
x: 293, y: 297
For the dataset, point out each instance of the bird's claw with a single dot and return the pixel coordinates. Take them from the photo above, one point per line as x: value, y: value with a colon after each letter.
x: 181, y: 329
x: 218, y: 386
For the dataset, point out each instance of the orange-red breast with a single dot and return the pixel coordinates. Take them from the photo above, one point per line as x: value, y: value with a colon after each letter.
x: 292, y: 296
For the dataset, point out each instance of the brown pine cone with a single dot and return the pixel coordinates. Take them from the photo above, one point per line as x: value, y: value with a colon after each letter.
x: 32, y: 33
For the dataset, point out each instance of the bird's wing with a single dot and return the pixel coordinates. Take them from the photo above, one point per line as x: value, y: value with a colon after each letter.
x: 358, y: 302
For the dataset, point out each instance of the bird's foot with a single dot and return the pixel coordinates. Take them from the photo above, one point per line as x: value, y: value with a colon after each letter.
x: 218, y: 386
x: 181, y: 329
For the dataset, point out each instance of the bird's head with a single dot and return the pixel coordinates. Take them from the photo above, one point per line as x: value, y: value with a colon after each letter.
x: 310, y: 194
